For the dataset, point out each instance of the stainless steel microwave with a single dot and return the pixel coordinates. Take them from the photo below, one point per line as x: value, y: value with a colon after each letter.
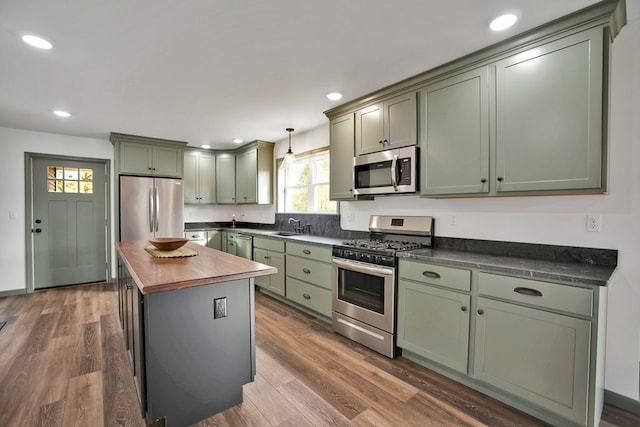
x: 386, y: 172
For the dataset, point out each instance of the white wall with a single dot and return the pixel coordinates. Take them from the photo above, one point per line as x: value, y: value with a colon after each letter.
x: 14, y: 144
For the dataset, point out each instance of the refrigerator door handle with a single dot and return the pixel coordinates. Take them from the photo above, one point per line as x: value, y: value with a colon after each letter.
x: 151, y: 211
x: 155, y: 189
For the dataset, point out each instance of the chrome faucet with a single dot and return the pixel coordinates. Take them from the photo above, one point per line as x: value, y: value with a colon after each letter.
x: 297, y: 227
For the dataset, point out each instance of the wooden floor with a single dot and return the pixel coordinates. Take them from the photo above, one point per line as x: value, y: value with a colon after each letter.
x: 63, y: 363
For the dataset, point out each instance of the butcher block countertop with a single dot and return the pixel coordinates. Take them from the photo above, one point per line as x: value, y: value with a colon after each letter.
x: 210, y: 266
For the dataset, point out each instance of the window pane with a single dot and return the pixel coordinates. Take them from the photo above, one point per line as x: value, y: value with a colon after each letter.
x: 297, y: 199
x: 71, y: 173
x: 86, y: 187
x: 298, y: 174
x: 323, y: 204
x: 321, y: 170
x: 86, y: 174
x: 71, y: 186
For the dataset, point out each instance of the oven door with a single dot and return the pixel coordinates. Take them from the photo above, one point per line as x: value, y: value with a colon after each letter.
x: 364, y: 292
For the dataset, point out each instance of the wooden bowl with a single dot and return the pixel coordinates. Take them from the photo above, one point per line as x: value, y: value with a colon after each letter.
x: 168, y: 243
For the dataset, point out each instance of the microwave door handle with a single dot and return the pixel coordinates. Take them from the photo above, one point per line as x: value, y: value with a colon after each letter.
x: 394, y: 165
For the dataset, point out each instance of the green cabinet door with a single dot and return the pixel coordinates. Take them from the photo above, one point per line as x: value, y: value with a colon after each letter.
x: 454, y: 123
x: 214, y: 239
x: 226, y: 178
x: 199, y: 178
x: 434, y: 323
x: 341, y: 152
x: 136, y: 158
x: 536, y: 355
x: 167, y: 161
x: 247, y: 176
x: 549, y: 116
x: 274, y: 282
x: 391, y: 123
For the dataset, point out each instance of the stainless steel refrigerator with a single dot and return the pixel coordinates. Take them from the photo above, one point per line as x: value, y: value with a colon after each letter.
x: 150, y: 207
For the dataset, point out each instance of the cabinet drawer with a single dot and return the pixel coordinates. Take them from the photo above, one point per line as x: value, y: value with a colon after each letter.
x: 313, y: 297
x: 269, y: 244
x: 316, y: 272
x: 541, y: 294
x: 195, y: 235
x: 448, y: 277
x: 320, y: 253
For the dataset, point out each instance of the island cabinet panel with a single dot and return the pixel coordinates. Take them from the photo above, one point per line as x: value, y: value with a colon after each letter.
x: 454, y: 141
x: 539, y: 356
x: 341, y: 152
x: 196, y: 364
x: 549, y: 103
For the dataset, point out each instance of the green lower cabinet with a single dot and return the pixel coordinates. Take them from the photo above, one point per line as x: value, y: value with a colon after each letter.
x: 274, y: 282
x: 434, y: 323
x: 313, y: 297
x: 536, y: 355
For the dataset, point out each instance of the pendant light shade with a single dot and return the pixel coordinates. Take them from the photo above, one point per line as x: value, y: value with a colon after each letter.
x: 289, y: 157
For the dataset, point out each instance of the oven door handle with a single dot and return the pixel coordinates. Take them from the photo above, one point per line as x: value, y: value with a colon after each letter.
x: 362, y: 268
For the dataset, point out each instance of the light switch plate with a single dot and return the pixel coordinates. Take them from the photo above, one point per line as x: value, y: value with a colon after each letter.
x: 220, y: 307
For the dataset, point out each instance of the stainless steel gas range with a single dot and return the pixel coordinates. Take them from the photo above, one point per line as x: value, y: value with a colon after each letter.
x: 364, y: 279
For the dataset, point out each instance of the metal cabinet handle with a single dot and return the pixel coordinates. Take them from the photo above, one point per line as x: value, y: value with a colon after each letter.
x: 528, y: 291
x: 38, y: 230
x: 306, y: 252
x: 483, y: 180
x: 480, y: 311
x: 500, y: 178
x: 306, y: 296
x: 463, y: 308
x: 306, y: 270
x: 266, y: 257
x: 431, y: 274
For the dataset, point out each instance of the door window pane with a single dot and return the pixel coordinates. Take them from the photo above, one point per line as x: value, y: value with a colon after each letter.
x: 69, y: 180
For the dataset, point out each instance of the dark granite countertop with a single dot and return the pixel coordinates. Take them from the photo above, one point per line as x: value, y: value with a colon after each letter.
x: 529, y: 268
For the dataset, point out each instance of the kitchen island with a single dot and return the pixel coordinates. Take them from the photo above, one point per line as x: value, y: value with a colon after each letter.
x: 189, y: 328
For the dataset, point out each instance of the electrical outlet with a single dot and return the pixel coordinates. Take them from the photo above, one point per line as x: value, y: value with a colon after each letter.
x: 220, y: 307
x: 593, y: 223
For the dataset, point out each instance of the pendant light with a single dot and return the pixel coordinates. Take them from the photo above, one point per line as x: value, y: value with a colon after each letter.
x: 289, y: 157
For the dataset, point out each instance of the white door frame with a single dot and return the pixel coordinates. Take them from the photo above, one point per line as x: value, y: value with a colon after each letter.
x: 28, y: 157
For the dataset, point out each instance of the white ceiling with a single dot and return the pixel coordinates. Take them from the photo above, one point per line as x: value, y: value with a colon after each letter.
x: 207, y: 71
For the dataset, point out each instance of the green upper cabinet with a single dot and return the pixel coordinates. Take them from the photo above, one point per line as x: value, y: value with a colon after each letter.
x: 148, y: 156
x: 341, y: 152
x: 226, y: 178
x: 391, y: 123
x: 199, y: 177
x: 454, y: 139
x: 254, y: 173
x: 549, y: 116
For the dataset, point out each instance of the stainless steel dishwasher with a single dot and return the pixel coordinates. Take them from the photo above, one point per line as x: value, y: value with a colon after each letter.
x: 244, y: 245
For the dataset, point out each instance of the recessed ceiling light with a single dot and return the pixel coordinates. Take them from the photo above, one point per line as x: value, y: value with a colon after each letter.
x: 36, y: 41
x: 237, y: 140
x: 334, y: 96
x: 61, y: 113
x: 205, y: 146
x: 503, y: 22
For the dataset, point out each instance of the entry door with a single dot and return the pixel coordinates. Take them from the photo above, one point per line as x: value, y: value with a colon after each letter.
x: 68, y: 221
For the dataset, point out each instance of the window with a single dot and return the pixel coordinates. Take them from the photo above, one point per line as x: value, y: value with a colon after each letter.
x: 69, y: 180
x: 303, y: 186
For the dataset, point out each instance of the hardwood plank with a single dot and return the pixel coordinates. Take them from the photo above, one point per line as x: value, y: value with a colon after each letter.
x: 246, y: 414
x: 270, y: 370
x: 315, y: 409
x: 69, y: 321
x: 89, y: 349
x: 121, y: 404
x: 83, y: 405
x: 41, y: 333
x: 50, y: 414
x: 371, y: 418
x: 271, y: 404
